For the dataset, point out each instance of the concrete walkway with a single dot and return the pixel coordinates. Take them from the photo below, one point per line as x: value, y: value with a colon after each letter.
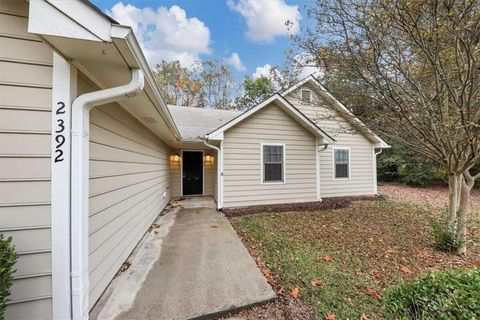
x: 203, y: 269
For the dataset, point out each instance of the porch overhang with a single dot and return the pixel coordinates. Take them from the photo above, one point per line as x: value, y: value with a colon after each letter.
x: 105, y: 52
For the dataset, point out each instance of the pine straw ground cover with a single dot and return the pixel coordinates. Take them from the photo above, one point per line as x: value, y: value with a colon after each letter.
x: 338, y: 261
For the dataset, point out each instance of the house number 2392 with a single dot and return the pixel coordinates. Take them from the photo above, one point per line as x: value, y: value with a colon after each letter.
x: 59, y: 131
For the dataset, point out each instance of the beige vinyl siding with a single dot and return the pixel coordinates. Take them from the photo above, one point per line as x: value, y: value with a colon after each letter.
x: 242, y: 160
x: 213, y: 173
x: 176, y: 173
x: 129, y: 187
x: 209, y: 171
x: 25, y: 125
x: 361, y: 181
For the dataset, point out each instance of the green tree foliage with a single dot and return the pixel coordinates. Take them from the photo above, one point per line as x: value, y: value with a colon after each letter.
x: 398, y: 164
x: 7, y: 260
x: 254, y: 92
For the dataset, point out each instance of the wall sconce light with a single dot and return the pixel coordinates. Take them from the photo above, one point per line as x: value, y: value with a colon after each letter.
x: 208, y: 159
x: 175, y: 157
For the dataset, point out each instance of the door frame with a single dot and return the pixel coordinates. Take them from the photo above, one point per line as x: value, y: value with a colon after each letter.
x: 181, y: 173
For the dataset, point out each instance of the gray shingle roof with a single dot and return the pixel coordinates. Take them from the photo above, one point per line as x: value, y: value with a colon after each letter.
x: 196, y: 122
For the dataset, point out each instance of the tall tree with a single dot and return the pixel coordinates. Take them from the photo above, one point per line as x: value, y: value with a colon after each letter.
x: 218, y: 88
x: 254, y: 92
x: 177, y: 84
x: 416, y: 63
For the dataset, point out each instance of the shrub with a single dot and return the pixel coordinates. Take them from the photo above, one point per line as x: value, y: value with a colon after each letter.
x: 8, y: 258
x: 388, y: 166
x: 419, y: 174
x: 452, y: 294
x: 443, y: 239
x: 401, y: 167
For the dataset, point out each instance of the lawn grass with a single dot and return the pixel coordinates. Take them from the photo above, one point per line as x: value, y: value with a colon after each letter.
x: 370, y: 245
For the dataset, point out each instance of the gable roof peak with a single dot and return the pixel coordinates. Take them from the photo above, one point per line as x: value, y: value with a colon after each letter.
x: 340, y: 107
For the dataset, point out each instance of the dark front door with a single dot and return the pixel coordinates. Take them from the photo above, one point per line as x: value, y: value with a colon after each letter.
x: 192, y: 178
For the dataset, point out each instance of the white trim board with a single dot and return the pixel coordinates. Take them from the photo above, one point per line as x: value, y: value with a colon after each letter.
x: 64, y: 90
x: 317, y: 171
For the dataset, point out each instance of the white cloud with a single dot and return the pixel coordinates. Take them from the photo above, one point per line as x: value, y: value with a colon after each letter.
x: 269, y: 72
x: 263, y: 71
x: 165, y: 34
x: 234, y: 60
x: 266, y: 19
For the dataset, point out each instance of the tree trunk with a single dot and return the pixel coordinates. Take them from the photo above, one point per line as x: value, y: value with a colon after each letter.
x: 467, y: 183
x: 459, y: 190
x: 453, y: 201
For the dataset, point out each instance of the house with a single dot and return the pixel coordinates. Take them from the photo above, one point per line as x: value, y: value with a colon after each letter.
x: 90, y: 153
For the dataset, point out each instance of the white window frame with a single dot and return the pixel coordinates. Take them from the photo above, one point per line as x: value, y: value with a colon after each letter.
x: 262, y: 178
x: 349, y: 163
x: 301, y: 96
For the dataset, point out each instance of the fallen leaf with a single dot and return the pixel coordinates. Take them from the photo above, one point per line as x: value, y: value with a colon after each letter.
x: 295, y: 293
x: 327, y: 259
x: 125, y: 266
x: 281, y: 291
x: 376, y: 274
x: 406, y: 270
x: 268, y: 275
x: 477, y: 263
x: 374, y: 294
x: 330, y: 316
x: 154, y: 226
x: 316, y: 282
x: 364, y: 317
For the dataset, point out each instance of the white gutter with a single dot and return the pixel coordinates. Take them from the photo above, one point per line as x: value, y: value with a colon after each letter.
x: 219, y: 171
x: 375, y: 182
x: 80, y: 184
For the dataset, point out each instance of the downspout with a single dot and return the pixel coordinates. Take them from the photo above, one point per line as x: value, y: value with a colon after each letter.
x: 219, y: 171
x: 375, y: 183
x: 80, y: 184
x: 317, y: 169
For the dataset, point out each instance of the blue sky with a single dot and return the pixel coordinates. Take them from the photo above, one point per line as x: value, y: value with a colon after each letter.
x: 212, y: 29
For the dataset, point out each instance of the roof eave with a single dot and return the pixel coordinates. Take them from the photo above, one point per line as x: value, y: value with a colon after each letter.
x: 141, y: 61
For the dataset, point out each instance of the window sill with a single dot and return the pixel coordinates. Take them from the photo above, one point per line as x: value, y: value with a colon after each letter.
x: 273, y: 182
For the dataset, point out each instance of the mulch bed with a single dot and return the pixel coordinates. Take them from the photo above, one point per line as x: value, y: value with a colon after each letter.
x: 326, y: 204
